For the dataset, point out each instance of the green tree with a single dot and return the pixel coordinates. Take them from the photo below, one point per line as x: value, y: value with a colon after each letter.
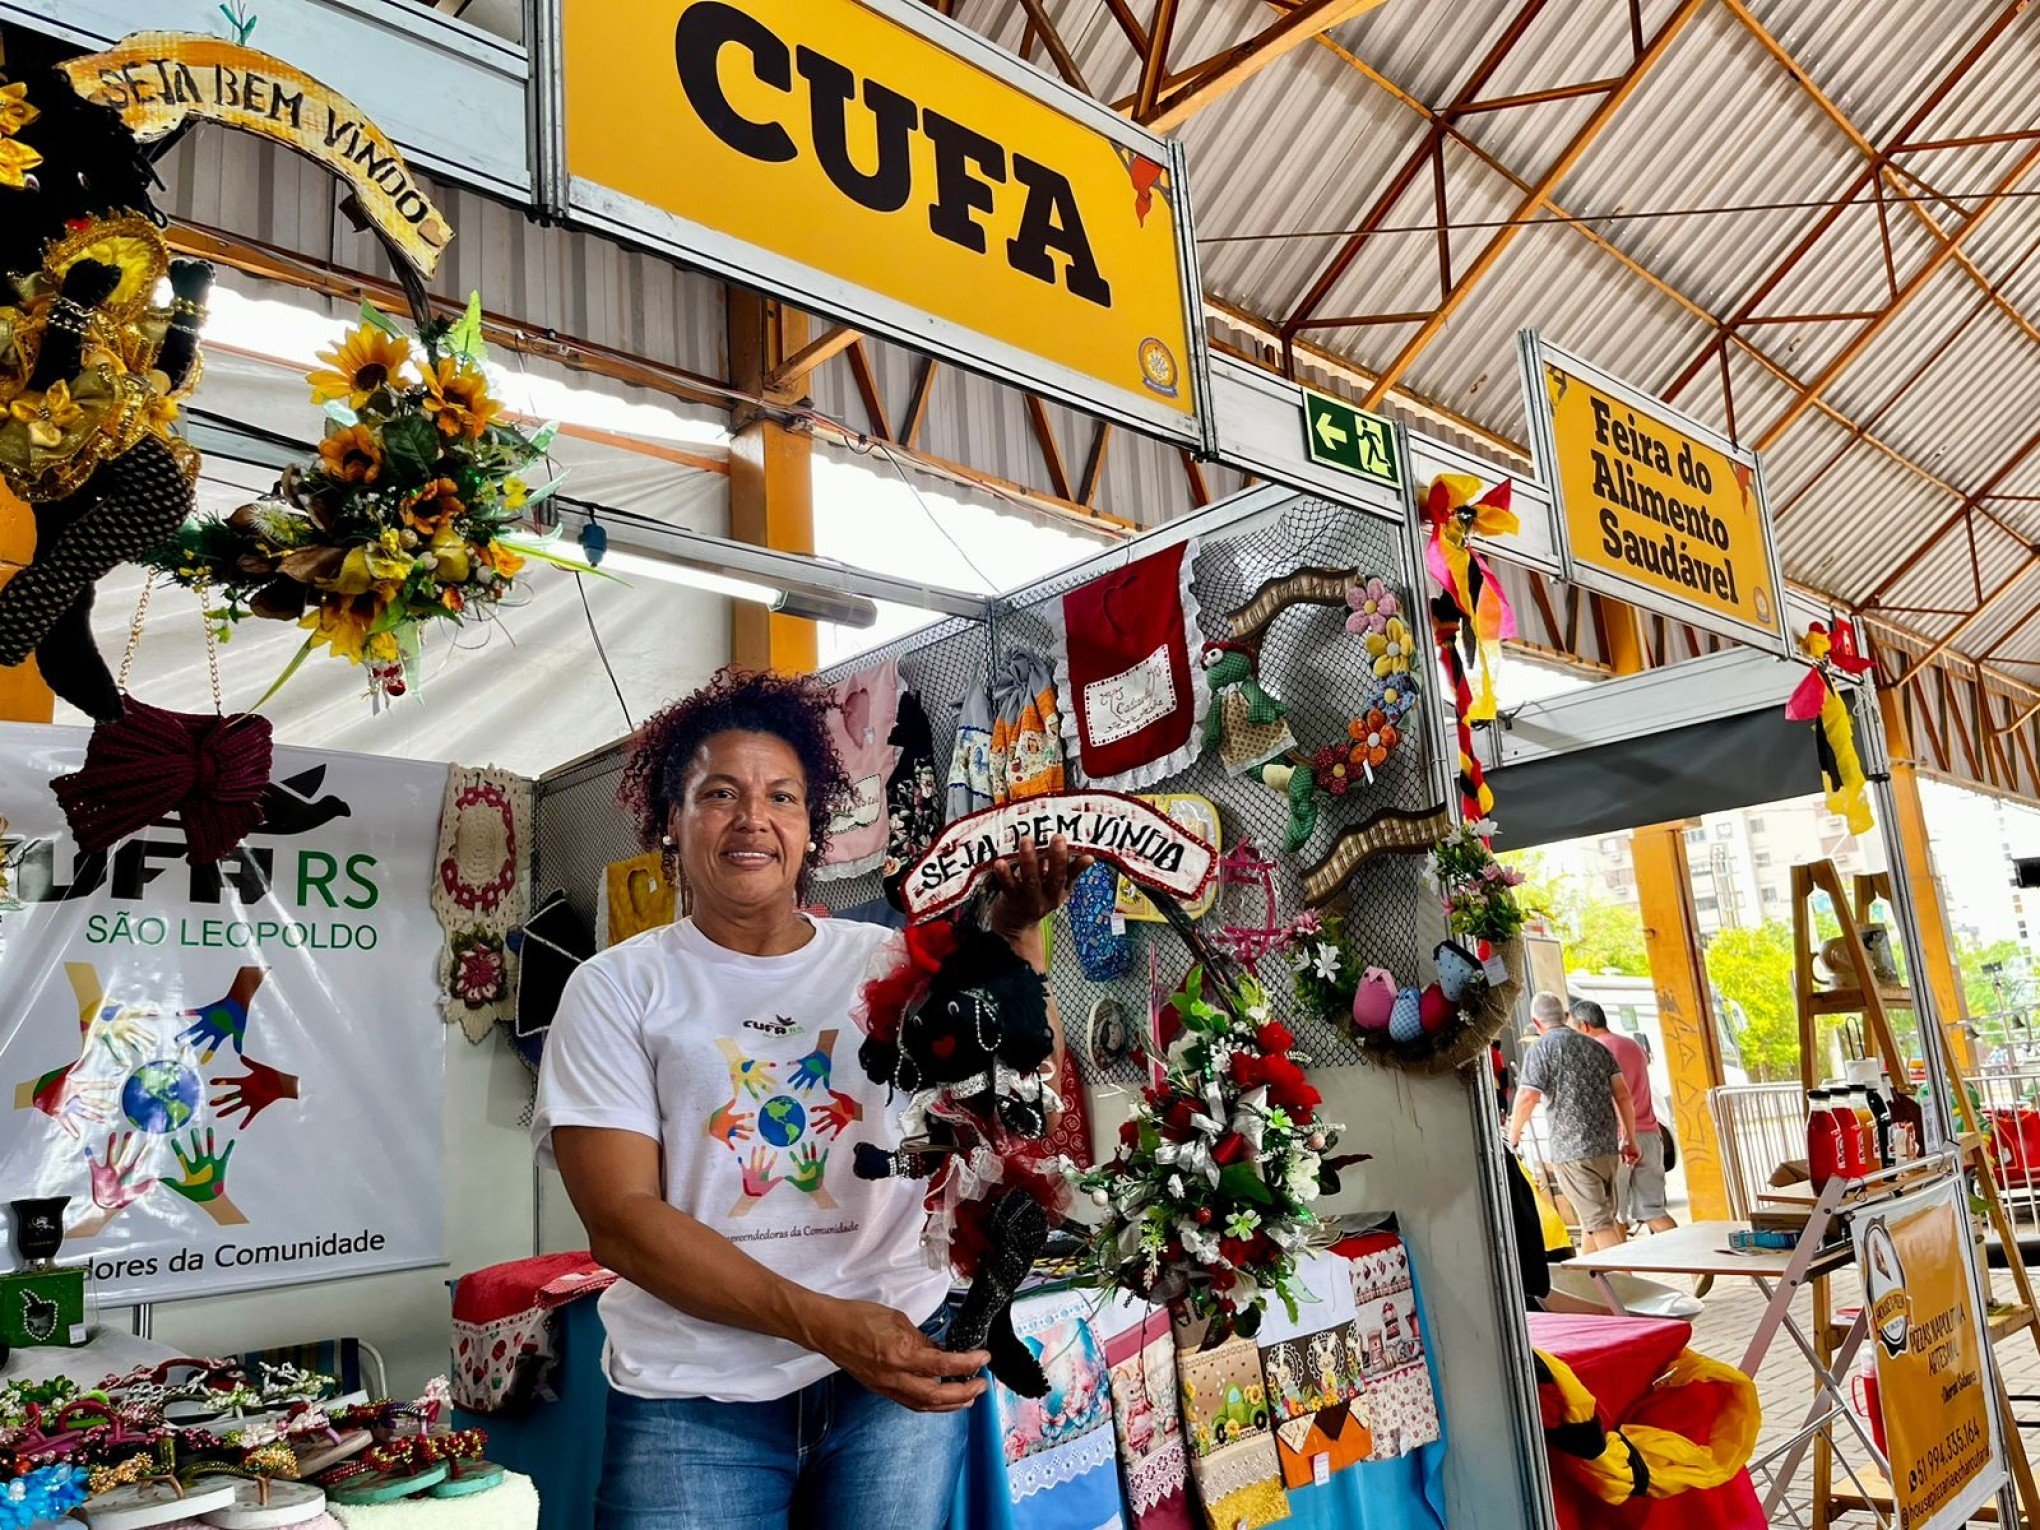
x: 1601, y: 935
x: 1991, y: 996
x: 1753, y: 968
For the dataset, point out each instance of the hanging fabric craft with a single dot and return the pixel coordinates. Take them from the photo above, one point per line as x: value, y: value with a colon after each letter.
x: 1392, y: 831
x: 1027, y: 747
x: 1457, y: 510
x: 479, y: 893
x: 913, y: 795
x: 1819, y: 701
x: 971, y: 787
x: 861, y: 727
x: 1199, y: 817
x: 635, y: 895
x: 1140, y: 1351
x: 1245, y: 725
x: 211, y: 771
x: 1103, y: 951
x: 1135, y: 697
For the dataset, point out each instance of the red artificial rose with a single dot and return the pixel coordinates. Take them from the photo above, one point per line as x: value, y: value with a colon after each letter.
x: 1260, y: 1249
x: 1248, y: 1070
x: 1176, y: 1123
x: 1232, y: 1250
x: 1232, y: 1147
x: 1223, y: 1280
x: 1289, y: 1088
x: 1129, y: 1133
x: 1172, y: 1253
x: 1274, y: 1037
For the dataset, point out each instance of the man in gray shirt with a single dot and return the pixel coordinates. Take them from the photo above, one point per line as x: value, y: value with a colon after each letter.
x: 1591, y: 1120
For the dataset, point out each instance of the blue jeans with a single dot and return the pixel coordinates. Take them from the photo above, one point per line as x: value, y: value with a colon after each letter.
x: 830, y: 1455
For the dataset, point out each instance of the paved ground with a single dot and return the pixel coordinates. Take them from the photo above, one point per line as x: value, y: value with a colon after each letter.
x: 1785, y: 1384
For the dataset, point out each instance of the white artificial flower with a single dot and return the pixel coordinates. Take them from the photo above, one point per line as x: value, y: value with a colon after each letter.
x: 1176, y: 1187
x: 1327, y: 964
x: 1241, y: 1224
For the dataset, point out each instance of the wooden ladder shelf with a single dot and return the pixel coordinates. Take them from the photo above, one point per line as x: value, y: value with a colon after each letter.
x: 1859, y: 992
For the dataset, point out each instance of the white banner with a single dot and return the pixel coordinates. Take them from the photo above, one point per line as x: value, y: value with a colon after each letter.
x: 235, y: 1071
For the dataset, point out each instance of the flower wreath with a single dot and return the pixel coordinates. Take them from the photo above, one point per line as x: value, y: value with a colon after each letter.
x: 1374, y: 615
x: 1449, y: 1021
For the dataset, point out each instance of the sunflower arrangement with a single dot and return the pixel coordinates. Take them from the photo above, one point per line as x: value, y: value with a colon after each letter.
x: 403, y: 519
x: 1207, y: 1203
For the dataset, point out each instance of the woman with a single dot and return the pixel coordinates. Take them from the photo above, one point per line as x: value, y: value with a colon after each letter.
x: 773, y: 1354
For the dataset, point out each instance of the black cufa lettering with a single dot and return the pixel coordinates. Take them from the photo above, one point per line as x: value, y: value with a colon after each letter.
x: 960, y: 194
x: 698, y: 42
x: 831, y: 89
x: 1051, y: 221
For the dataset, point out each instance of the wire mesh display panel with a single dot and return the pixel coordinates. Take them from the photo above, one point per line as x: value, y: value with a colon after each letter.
x: 1319, y: 671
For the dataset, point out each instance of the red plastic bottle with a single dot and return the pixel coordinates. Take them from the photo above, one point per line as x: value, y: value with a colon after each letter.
x: 1825, y: 1152
x: 1857, y: 1154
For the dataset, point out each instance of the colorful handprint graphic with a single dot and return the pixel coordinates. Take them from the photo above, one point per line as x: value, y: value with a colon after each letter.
x: 789, y: 1119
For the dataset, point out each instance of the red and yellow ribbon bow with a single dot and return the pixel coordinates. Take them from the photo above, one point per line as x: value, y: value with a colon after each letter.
x: 1457, y: 510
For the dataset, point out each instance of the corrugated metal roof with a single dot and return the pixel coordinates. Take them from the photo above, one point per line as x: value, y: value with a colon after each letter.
x: 1950, y: 383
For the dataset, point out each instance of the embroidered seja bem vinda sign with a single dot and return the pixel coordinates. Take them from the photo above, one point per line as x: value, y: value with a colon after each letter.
x: 1135, y: 837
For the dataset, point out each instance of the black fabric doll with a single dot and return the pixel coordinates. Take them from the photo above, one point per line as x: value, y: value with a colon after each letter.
x: 963, y: 1027
x: 91, y: 364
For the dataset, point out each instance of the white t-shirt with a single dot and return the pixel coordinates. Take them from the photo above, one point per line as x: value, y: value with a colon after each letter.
x: 744, y: 1069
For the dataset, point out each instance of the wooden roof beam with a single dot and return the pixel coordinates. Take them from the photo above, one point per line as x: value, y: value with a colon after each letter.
x: 1227, y: 71
x: 1611, y: 104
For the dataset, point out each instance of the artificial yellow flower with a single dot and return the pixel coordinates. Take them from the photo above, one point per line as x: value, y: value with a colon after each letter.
x: 457, y: 398
x: 140, y: 257
x: 342, y: 625
x: 382, y: 648
x: 515, y: 491
x: 351, y: 454
x: 506, y: 561
x: 49, y: 415
x: 16, y: 160
x: 454, y: 564
x: 434, y: 507
x: 15, y: 112
x: 161, y: 408
x: 371, y: 567
x: 367, y: 360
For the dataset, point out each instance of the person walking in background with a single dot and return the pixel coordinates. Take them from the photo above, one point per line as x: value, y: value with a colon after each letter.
x: 1592, y: 1124
x: 1640, y: 1186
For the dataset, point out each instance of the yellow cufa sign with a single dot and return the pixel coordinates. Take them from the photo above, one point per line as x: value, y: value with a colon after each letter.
x: 1654, y: 508
x: 878, y: 163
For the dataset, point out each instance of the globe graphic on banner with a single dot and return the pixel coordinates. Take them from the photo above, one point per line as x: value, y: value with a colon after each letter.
x: 160, y: 1096
x: 781, y: 1121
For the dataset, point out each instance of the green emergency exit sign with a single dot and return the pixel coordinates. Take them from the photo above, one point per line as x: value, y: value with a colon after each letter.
x: 1339, y: 435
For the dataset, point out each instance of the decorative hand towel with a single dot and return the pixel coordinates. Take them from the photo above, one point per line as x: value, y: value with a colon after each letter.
x: 1056, y: 1456
x: 505, y: 1331
x: 1103, y: 952
x: 970, y: 788
x: 1313, y: 1368
x: 867, y: 705
x: 1071, y: 1134
x: 1135, y: 696
x: 1141, y: 1353
x: 1401, y: 1409
x: 913, y: 794
x: 1232, y: 1446
x: 1027, y: 749
x: 478, y: 892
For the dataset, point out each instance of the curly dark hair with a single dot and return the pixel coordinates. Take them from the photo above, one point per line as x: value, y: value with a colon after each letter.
x: 794, y: 708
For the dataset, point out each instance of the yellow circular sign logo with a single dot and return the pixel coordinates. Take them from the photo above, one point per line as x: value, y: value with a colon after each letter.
x: 1158, y: 367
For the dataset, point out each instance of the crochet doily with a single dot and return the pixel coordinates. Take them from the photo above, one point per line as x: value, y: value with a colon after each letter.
x: 480, y: 884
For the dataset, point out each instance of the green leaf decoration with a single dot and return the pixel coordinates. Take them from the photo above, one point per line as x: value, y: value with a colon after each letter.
x: 1241, y: 1183
x: 375, y: 317
x: 543, y: 437
x: 465, y: 338
x: 303, y: 653
x: 411, y: 444
x: 544, y: 491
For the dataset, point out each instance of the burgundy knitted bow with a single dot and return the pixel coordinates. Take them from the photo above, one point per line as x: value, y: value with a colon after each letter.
x: 149, y: 763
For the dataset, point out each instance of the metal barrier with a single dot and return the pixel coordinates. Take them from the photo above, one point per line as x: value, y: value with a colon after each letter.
x: 2008, y: 1106
x: 1758, y: 1127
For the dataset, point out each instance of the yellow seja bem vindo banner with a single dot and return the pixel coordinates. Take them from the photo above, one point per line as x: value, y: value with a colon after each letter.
x: 1926, y: 1330
x: 827, y: 150
x: 1654, y: 508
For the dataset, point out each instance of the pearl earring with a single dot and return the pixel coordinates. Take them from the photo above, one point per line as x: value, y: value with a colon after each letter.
x: 811, y: 847
x: 666, y: 840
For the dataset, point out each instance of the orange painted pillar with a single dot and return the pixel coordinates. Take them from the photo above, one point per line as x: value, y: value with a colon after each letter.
x: 1671, y: 936
x: 23, y: 696
x: 1936, y: 964
x: 772, y: 494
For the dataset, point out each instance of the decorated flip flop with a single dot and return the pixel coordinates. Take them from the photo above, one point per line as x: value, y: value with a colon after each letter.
x: 318, y: 1458
x: 466, y: 1478
x: 373, y: 1488
x: 268, y: 1504
x: 145, y: 1505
